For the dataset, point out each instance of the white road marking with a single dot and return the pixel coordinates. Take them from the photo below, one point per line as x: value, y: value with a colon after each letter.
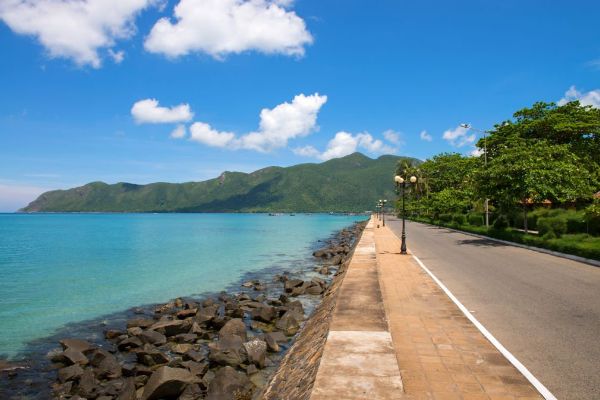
x: 511, y: 358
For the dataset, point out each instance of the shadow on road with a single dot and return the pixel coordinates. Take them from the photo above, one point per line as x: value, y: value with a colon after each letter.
x: 480, y: 243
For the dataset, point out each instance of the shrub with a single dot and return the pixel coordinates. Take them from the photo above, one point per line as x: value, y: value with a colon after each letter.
x: 459, y: 219
x: 476, y: 219
x: 576, y: 223
x: 501, y: 222
x: 556, y: 225
x: 446, y: 218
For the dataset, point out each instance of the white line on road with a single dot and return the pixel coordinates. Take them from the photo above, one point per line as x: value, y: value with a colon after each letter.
x: 512, y: 359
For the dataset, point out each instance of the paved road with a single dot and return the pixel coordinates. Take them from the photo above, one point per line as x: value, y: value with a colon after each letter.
x: 544, y: 309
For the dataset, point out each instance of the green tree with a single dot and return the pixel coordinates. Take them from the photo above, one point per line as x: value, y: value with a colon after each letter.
x: 531, y: 171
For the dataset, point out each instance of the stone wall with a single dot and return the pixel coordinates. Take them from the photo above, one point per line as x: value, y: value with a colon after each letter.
x: 296, y: 374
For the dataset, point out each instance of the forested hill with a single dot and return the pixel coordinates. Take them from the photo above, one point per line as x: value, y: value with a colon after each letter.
x: 351, y: 183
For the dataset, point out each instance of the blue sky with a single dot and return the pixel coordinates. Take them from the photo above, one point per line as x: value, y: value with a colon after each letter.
x: 268, y: 82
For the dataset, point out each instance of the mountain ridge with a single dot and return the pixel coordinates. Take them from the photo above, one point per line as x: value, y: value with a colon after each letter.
x: 348, y: 184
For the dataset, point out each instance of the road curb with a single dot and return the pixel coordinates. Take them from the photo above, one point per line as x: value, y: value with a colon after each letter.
x: 571, y: 257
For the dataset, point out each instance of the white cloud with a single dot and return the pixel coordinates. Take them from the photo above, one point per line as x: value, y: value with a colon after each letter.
x: 476, y: 152
x: 458, y: 137
x: 344, y: 143
x: 392, y: 136
x: 179, y: 132
x: 148, y: 111
x: 277, y: 126
x: 221, y: 27
x: 204, y: 133
x: 425, y: 136
x: 591, y: 98
x: 307, y: 151
x: 76, y: 30
x: 117, y: 56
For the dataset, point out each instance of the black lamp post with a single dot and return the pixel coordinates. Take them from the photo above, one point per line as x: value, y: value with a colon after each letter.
x: 400, y: 182
x: 383, y: 210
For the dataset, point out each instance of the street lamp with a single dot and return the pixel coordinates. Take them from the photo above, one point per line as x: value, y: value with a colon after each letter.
x: 400, y: 182
x: 383, y: 210
x: 486, y: 201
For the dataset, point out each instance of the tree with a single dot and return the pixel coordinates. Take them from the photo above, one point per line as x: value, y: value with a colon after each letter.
x: 531, y: 171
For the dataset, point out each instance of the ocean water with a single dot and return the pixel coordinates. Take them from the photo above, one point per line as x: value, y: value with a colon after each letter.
x: 58, y: 269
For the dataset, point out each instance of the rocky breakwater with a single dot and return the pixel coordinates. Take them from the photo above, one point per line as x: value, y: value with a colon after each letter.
x: 221, y: 348
x: 297, y: 372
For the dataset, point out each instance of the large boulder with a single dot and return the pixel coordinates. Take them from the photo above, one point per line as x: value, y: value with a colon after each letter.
x: 167, y: 383
x: 152, y: 337
x: 290, y: 284
x: 263, y: 313
x: 171, y: 327
x: 140, y: 322
x: 151, y: 356
x: 207, y: 313
x: 228, y: 384
x: 72, y: 356
x: 288, y: 323
x: 233, y: 327
x: 227, y: 351
x: 76, y: 344
x: 128, y: 390
x: 256, y: 351
x: 71, y: 373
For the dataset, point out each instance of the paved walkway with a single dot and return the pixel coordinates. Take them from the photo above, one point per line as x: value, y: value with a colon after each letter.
x: 396, y: 335
x: 359, y: 361
x: 441, y: 354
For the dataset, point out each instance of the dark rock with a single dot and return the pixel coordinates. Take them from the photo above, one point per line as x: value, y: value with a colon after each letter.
x: 314, y: 290
x: 183, y: 314
x: 107, y: 366
x: 256, y: 351
x: 87, y: 384
x: 130, y: 343
x: 166, y: 383
x: 263, y: 313
x: 76, y: 344
x: 321, y: 253
x: 72, y: 356
x: 229, y: 384
x: 227, y: 351
x: 336, y: 260
x: 181, y: 348
x: 234, y: 327
x: 152, y: 357
x: 186, y: 337
x: 128, y: 390
x: 152, y: 337
x: 196, y: 368
x: 207, y: 314
x: 290, y: 284
x: 128, y: 369
x: 135, y: 331
x: 193, y: 355
x: 191, y: 392
x: 251, y: 369
x: 71, y: 373
x: 272, y: 344
x: 171, y: 327
x: 140, y: 322
x: 288, y: 323
x: 112, y: 334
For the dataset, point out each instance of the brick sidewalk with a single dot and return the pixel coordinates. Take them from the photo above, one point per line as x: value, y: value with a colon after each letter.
x: 440, y: 353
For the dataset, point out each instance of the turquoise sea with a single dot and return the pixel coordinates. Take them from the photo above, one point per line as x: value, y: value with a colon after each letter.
x: 58, y: 269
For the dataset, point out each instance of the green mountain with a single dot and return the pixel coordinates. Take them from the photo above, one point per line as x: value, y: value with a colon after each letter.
x: 351, y: 183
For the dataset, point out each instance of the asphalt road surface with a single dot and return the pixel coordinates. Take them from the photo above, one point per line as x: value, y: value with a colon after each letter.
x: 544, y: 309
